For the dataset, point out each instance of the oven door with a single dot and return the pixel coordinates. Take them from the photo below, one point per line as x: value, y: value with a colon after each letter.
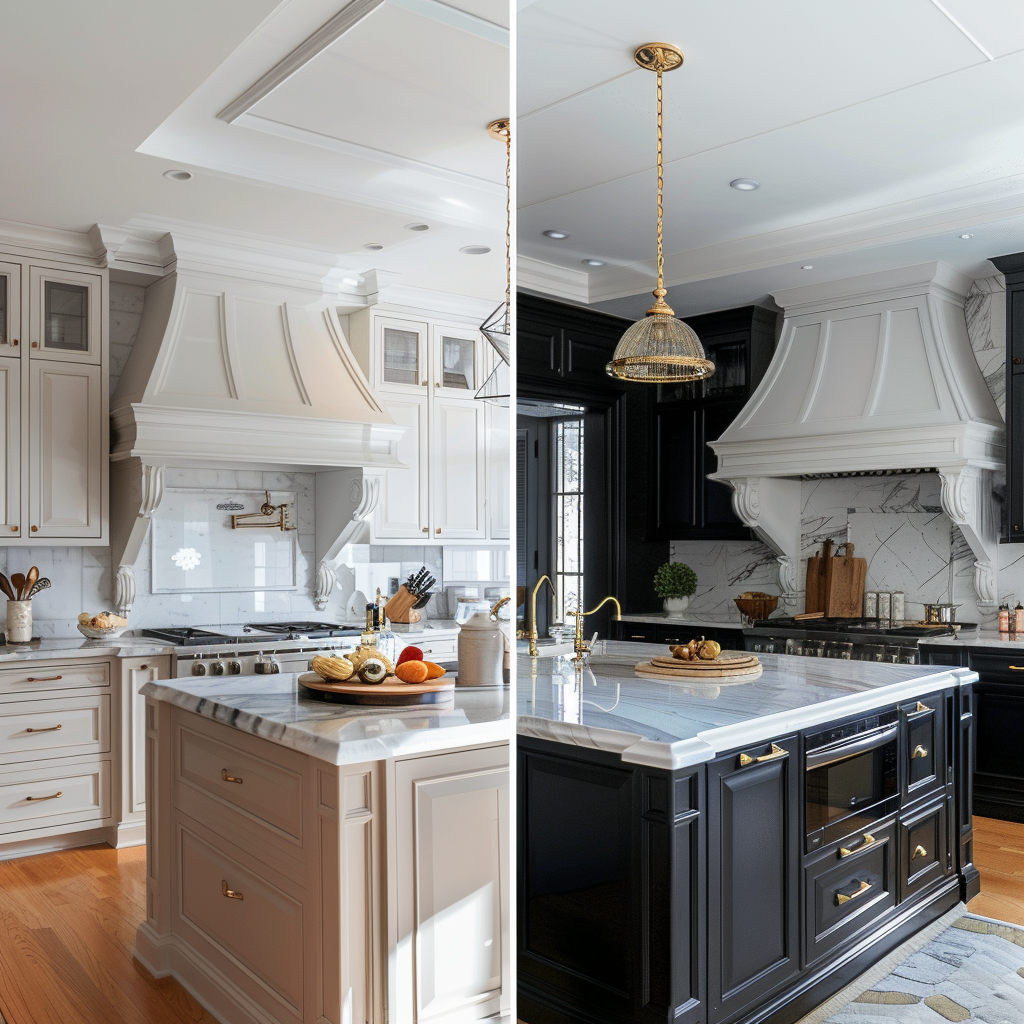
x: 850, y: 784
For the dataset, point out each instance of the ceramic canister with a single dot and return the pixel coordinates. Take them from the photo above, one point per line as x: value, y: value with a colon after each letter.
x: 19, y: 622
x: 481, y: 651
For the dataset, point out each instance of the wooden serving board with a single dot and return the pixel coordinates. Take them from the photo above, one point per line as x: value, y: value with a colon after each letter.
x: 391, y: 693
x: 845, y: 577
x: 730, y: 660
x: 723, y: 674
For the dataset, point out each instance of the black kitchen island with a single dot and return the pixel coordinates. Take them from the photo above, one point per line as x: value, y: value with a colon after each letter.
x: 731, y: 852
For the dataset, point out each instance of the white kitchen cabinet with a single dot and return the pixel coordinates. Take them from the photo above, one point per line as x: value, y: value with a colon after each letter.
x: 10, y: 308
x: 456, y: 355
x: 10, y: 448
x: 457, y: 467
x: 135, y: 673
x: 65, y: 315
x: 403, y: 510
x: 499, y: 500
x: 401, y: 358
x: 67, y: 450
x: 448, y: 884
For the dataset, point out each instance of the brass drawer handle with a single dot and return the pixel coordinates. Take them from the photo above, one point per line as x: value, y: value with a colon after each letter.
x: 842, y: 898
x: 230, y: 893
x: 229, y: 778
x: 52, y: 728
x: 53, y: 796
x: 919, y: 751
x: 869, y: 840
x: 922, y: 707
x: 634, y: 636
x: 773, y: 754
x: 1016, y: 668
x: 919, y: 852
x: 43, y: 679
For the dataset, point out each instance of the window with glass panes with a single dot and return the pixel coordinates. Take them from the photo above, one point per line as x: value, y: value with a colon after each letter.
x: 567, y: 442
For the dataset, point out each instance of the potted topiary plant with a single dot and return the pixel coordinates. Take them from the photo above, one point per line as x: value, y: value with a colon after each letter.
x: 674, y: 582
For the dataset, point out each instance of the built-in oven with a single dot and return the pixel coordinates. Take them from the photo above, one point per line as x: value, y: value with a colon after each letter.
x: 851, y: 778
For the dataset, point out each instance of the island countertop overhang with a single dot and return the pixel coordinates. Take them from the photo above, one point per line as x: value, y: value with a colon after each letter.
x: 671, y: 726
x: 272, y: 708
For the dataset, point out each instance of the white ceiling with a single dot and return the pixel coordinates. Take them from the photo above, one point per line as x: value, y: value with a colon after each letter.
x: 879, y: 133
x: 381, y: 124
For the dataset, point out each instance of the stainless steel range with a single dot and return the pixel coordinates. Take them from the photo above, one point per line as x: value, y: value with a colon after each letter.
x: 253, y: 648
x: 849, y: 639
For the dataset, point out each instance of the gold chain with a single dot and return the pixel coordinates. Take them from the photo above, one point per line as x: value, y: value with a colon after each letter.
x: 661, y: 185
x: 508, y: 217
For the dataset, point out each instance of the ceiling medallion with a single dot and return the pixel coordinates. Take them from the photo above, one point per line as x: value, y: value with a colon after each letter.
x: 659, y: 349
x: 497, y: 328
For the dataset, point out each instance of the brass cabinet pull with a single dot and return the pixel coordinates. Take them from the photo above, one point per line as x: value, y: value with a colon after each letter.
x: 35, y: 529
x: 52, y: 796
x: 774, y: 753
x: 634, y: 636
x: 919, y: 852
x: 919, y: 751
x: 229, y: 778
x: 869, y: 840
x: 43, y: 679
x: 1016, y: 668
x: 922, y: 707
x: 842, y: 898
x: 231, y: 894
x: 52, y: 728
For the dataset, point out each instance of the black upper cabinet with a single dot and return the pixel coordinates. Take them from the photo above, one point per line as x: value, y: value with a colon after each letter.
x: 1013, y: 267
x: 687, y: 417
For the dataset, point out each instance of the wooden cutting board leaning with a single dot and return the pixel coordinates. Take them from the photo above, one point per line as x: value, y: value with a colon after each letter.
x: 835, y: 582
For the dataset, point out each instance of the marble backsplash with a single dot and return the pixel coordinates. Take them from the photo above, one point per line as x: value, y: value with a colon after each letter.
x: 896, y: 522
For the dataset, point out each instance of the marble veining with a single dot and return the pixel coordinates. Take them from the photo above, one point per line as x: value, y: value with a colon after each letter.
x: 605, y: 706
x: 48, y: 649
x: 272, y: 708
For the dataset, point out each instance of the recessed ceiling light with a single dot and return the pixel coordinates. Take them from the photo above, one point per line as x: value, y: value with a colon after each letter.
x: 807, y: 266
x: 966, y: 235
x: 417, y: 227
x: 744, y: 184
x: 552, y: 233
x: 593, y: 263
x: 475, y: 250
x: 373, y: 246
x: 177, y: 175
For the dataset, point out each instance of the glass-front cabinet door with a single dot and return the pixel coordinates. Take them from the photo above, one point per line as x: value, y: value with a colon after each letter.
x: 10, y: 309
x: 66, y: 315
x: 402, y: 363
x: 456, y: 354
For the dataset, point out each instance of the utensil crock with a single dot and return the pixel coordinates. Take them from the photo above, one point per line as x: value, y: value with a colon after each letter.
x: 19, y: 622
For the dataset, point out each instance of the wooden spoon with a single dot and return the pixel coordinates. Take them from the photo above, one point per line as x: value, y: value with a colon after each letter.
x: 18, y: 582
x: 30, y: 579
x: 5, y: 586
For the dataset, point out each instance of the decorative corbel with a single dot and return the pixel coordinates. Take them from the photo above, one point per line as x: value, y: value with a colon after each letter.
x: 137, y: 489
x: 345, y: 499
x: 770, y: 506
x: 967, y: 500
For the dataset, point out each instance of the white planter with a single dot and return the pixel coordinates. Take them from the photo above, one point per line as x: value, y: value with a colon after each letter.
x: 675, y: 606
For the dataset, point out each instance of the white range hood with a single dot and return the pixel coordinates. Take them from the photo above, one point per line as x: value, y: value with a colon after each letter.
x: 240, y: 360
x: 873, y: 373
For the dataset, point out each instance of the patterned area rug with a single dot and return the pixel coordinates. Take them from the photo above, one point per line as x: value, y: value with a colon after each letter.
x: 960, y: 968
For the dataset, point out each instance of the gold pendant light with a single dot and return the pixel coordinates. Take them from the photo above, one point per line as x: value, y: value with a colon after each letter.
x: 659, y: 349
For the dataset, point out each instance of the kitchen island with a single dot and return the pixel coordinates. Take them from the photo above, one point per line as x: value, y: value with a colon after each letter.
x: 728, y: 853
x: 316, y: 862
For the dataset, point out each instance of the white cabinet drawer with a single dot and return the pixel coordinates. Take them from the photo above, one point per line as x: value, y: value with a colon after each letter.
x: 47, y: 676
x: 434, y: 648
x: 43, y: 798
x: 259, y: 788
x: 36, y: 730
x: 258, y: 925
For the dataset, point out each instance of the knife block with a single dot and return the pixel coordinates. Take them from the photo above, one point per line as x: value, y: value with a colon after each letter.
x: 400, y: 607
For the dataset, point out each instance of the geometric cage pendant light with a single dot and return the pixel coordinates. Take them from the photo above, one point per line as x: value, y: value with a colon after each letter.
x: 659, y: 349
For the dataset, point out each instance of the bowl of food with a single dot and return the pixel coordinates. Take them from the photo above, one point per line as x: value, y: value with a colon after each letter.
x: 104, y: 626
x: 755, y: 604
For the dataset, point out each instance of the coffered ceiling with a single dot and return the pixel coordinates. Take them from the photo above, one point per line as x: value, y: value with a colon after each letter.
x: 329, y: 124
x: 879, y: 132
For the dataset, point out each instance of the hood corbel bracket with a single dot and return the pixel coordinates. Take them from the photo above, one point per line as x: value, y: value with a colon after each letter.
x: 967, y: 500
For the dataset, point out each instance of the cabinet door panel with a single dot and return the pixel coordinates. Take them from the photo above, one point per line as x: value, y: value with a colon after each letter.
x: 457, y: 361
x: 923, y: 743
x: 10, y: 447
x: 10, y: 309
x: 457, y: 471
x: 65, y: 315
x: 66, y: 458
x: 135, y: 673
x: 753, y: 879
x: 499, y: 512
x: 402, y: 508
x: 401, y: 360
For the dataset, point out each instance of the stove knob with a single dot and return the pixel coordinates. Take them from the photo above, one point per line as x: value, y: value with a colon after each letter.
x: 234, y: 668
x: 217, y: 668
x: 198, y: 669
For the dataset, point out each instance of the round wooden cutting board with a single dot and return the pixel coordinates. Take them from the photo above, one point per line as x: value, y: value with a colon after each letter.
x: 728, y: 667
x: 392, y: 693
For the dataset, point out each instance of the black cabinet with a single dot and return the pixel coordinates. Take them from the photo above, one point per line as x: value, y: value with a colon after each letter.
x: 687, y: 417
x: 923, y: 746
x: 655, y: 632
x: 962, y: 825
x: 754, y: 876
x: 610, y: 894
x: 924, y: 848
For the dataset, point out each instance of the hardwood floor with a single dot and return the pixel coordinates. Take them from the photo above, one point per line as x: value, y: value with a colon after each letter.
x: 67, y: 927
x: 999, y: 855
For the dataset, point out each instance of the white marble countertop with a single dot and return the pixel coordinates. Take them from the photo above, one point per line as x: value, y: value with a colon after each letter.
x: 672, y: 725
x: 981, y: 638
x: 271, y: 707
x: 80, y: 647
x: 683, y: 620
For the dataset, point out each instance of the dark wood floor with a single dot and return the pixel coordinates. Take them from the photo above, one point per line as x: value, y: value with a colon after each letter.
x: 67, y: 927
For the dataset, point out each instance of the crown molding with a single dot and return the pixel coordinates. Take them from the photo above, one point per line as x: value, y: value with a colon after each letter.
x: 49, y: 243
x: 548, y: 279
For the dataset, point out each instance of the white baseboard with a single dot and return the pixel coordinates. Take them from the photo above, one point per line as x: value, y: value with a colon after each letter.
x: 129, y: 833
x: 51, y: 844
